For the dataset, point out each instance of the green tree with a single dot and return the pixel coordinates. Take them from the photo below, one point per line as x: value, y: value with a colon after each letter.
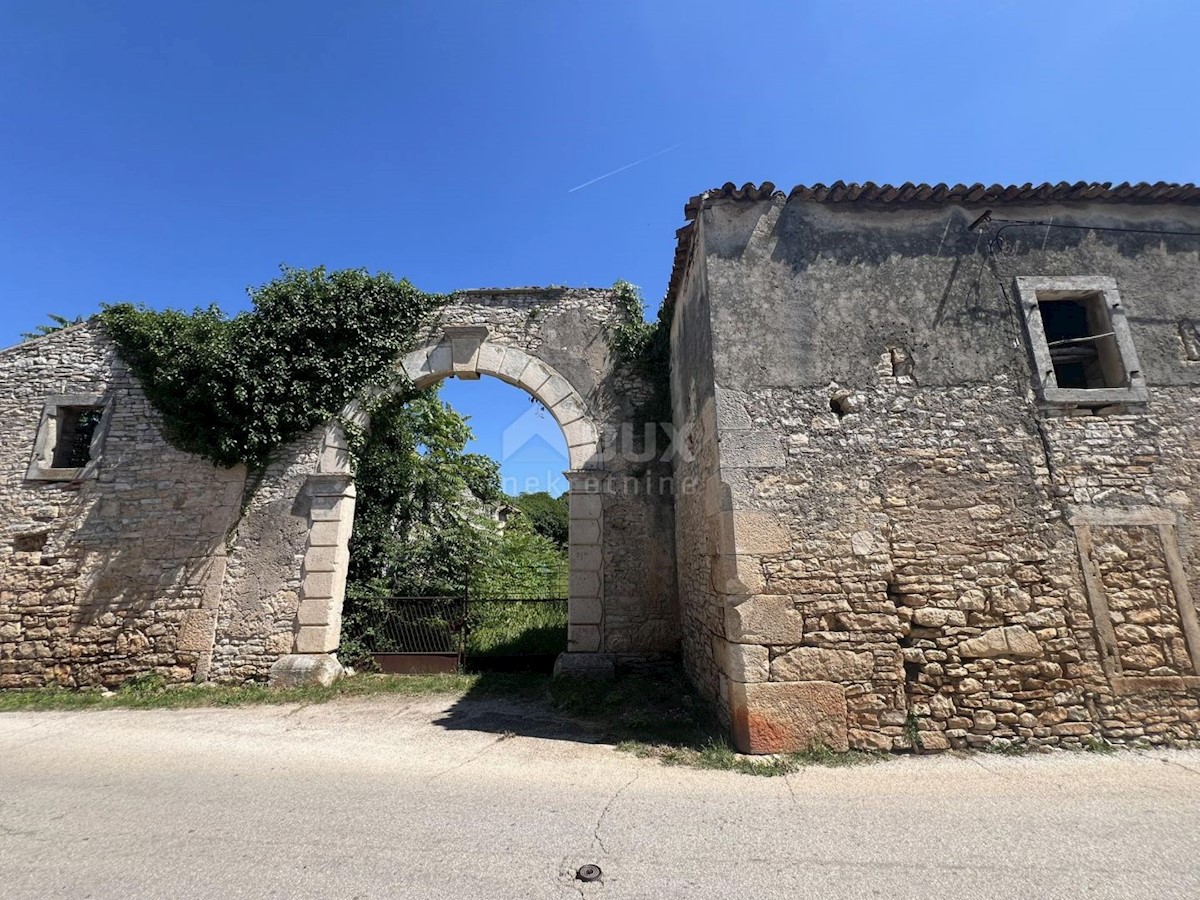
x: 422, y: 499
x: 549, y: 516
x: 56, y: 323
x: 421, y: 520
x: 519, y: 562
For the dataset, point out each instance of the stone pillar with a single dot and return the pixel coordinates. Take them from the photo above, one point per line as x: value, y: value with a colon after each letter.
x: 322, y: 583
x: 585, y: 608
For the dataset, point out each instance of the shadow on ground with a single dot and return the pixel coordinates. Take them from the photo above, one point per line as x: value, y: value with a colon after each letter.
x: 660, y: 709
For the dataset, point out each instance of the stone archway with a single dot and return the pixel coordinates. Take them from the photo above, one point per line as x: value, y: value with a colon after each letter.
x: 462, y: 351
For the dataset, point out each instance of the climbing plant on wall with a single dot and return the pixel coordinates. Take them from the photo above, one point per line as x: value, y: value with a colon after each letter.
x: 645, y: 347
x: 236, y: 389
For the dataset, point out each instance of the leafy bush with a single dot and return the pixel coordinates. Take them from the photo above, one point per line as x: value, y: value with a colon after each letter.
x: 519, y: 562
x: 234, y: 390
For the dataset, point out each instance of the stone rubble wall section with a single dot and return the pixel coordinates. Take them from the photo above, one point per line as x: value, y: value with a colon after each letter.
x: 260, y: 597
x: 925, y: 527
x: 1141, y: 602
x: 698, y: 562
x: 641, y: 609
x: 114, y: 576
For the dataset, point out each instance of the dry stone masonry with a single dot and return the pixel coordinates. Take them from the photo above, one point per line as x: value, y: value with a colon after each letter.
x: 934, y: 480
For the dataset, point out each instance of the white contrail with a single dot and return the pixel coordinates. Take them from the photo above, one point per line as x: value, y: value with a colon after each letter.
x: 623, y: 168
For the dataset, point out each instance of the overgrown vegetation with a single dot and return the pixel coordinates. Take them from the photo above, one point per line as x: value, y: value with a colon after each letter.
x: 421, y: 515
x: 646, y: 348
x: 512, y: 628
x: 56, y: 323
x: 425, y: 526
x: 548, y: 516
x: 234, y: 390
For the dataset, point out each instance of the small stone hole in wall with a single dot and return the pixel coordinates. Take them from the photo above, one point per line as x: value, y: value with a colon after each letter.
x: 902, y: 362
x: 912, y: 675
x: 1189, y: 333
x: 30, y: 542
x: 842, y: 403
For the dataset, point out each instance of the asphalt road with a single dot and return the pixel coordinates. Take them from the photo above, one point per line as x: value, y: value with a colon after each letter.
x: 437, y: 798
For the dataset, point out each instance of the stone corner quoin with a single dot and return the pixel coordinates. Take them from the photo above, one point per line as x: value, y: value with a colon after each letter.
x: 927, y: 490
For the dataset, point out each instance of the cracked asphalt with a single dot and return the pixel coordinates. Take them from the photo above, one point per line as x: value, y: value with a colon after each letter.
x: 462, y: 798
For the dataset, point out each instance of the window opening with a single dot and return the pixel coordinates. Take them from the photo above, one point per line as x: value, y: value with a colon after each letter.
x: 1082, y: 344
x: 76, y: 428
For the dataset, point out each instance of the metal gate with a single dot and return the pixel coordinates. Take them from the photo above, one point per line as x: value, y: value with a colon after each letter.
x: 420, y: 635
x: 508, y: 632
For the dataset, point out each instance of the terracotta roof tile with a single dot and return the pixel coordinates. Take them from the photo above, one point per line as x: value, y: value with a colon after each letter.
x: 869, y: 192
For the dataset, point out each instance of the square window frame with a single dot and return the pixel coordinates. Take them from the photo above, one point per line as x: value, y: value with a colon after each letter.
x: 1028, y: 287
x: 41, y: 466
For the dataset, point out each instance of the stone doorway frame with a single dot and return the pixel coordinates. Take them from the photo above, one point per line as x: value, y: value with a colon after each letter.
x: 461, y: 352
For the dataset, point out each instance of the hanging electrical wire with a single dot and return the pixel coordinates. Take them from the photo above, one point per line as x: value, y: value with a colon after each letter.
x: 987, y: 219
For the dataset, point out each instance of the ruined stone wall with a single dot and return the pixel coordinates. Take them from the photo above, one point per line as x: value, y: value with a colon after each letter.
x: 111, y: 576
x: 913, y: 548
x: 260, y: 597
x: 164, y: 563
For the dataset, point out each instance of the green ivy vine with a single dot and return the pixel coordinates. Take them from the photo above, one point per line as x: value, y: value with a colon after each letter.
x: 234, y: 390
x: 645, y: 347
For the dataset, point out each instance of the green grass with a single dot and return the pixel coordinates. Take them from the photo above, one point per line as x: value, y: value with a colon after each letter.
x: 1008, y: 748
x: 152, y: 692
x: 717, y: 754
x: 513, y: 627
x: 1090, y: 744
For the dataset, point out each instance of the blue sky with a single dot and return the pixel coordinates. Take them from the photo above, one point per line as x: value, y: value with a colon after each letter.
x: 174, y: 153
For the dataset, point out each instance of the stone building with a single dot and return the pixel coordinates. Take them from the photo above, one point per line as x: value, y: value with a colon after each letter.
x: 934, y: 482
x: 946, y: 486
